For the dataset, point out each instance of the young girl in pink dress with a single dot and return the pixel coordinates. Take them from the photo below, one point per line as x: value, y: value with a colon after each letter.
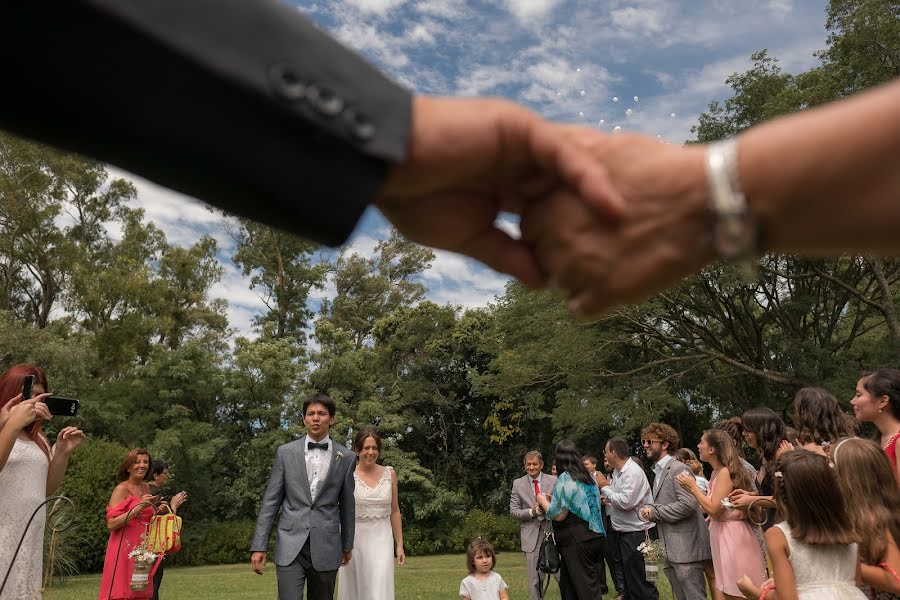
x: 735, y: 549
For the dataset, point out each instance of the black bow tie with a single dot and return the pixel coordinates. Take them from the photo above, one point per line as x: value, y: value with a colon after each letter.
x: 317, y: 446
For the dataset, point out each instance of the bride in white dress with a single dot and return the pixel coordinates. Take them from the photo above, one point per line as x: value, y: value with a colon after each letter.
x: 370, y: 572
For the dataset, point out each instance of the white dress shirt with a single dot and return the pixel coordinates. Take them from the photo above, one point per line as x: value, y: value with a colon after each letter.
x: 318, y: 462
x: 628, y: 492
x: 657, y: 471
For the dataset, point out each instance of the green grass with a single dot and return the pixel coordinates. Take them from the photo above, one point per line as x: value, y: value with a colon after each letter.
x: 421, y: 578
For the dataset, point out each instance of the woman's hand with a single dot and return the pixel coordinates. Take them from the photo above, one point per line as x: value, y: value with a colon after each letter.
x: 750, y: 590
x: 784, y: 446
x: 177, y: 500
x: 19, y: 413
x: 687, y: 482
x: 68, y: 439
x: 742, y: 499
x: 401, y: 556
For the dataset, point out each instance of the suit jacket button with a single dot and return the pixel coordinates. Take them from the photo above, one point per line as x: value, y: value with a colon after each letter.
x: 286, y: 82
x: 360, y: 127
x: 324, y: 100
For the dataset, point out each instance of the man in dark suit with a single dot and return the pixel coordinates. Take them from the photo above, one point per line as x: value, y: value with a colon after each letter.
x: 312, y: 483
x: 682, y: 528
x: 249, y: 106
x: 524, y: 507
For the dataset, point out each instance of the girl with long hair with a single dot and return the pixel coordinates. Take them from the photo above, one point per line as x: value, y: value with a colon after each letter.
x: 877, y: 400
x: 735, y: 549
x: 872, y: 501
x: 813, y: 549
x: 819, y: 420
x: 763, y: 430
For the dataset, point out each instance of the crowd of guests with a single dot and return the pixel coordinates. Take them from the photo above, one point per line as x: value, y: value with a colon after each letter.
x: 817, y: 518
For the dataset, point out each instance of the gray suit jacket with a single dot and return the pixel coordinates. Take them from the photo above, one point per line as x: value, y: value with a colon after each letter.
x: 520, y: 502
x: 328, y: 522
x: 682, y: 528
x: 245, y: 104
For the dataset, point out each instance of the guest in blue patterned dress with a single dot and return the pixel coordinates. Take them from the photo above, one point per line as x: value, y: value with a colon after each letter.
x: 577, y: 524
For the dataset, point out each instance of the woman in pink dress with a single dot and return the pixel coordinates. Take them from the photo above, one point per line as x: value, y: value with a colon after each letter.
x: 126, y: 526
x: 735, y: 549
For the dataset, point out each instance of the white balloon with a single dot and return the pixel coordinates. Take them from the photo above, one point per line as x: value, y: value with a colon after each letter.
x: 672, y: 115
x: 615, y: 98
x: 629, y: 112
x: 581, y: 114
x: 578, y: 70
x: 582, y: 92
x: 658, y: 136
x: 636, y: 99
x: 558, y: 94
x: 617, y: 129
x: 602, y: 121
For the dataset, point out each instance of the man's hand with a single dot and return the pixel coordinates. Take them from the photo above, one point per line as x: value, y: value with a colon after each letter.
x: 662, y: 237
x: 646, y: 513
x: 258, y: 562
x: 345, y: 556
x: 470, y: 159
x: 601, y: 479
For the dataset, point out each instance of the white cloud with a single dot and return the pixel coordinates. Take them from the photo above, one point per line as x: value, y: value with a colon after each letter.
x: 380, y: 8
x: 530, y: 10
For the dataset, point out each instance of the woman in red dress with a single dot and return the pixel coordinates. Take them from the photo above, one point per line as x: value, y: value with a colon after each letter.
x: 126, y: 526
x: 877, y: 400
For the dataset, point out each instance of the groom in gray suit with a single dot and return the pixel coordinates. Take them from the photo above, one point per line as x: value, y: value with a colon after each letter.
x: 524, y: 507
x: 680, y: 523
x: 312, y: 484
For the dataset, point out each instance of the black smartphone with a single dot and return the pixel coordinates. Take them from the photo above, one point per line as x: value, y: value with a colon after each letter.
x: 64, y: 407
x: 26, y: 387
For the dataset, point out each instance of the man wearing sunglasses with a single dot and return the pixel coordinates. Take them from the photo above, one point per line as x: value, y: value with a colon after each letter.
x: 680, y: 523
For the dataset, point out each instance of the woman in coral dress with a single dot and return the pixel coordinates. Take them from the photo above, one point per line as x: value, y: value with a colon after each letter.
x: 126, y: 525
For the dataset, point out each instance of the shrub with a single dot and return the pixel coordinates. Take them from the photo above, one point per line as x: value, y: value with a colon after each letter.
x: 215, y: 542
x: 89, y: 483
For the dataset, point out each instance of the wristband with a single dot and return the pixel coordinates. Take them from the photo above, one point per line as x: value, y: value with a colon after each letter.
x: 734, y: 230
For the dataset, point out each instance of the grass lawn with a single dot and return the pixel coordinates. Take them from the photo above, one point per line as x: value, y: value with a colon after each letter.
x: 422, y: 578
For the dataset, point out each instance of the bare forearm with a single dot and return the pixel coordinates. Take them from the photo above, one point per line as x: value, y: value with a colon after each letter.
x: 7, y: 441
x: 838, y: 163
x: 57, y: 471
x: 397, y: 528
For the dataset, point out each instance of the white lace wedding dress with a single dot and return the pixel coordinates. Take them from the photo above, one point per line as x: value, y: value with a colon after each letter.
x: 23, y: 486
x: 370, y: 573
x: 823, y: 572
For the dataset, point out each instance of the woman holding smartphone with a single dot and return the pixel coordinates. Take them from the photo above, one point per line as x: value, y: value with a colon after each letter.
x: 29, y: 471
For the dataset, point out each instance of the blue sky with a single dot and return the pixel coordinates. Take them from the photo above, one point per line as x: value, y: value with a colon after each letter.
x: 673, y: 55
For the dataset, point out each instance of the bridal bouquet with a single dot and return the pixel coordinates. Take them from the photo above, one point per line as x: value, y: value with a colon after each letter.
x: 654, y: 555
x: 143, y: 562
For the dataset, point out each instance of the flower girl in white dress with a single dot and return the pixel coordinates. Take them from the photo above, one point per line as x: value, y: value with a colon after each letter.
x: 814, y: 552
x: 370, y: 572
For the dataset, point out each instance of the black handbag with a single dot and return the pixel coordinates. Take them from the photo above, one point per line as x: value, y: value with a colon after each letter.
x: 548, y: 560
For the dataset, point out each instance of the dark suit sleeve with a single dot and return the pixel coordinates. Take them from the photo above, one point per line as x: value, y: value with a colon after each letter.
x: 244, y: 104
x: 268, y: 508
x: 685, y: 504
x: 348, y: 506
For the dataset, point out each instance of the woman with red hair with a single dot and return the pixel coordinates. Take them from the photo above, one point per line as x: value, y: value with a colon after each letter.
x: 29, y: 472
